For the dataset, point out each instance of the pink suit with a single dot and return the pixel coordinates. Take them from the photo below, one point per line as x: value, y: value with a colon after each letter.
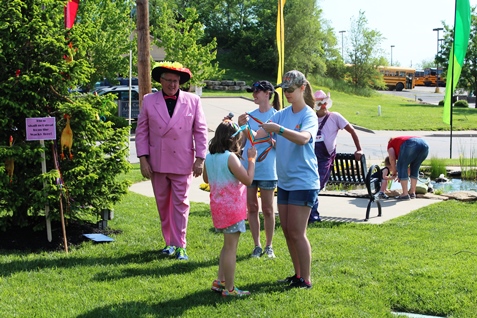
x: 172, y: 144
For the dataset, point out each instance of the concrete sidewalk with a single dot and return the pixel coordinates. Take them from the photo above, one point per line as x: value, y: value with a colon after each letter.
x: 338, y: 209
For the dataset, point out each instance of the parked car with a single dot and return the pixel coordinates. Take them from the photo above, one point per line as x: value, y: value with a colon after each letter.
x: 122, y: 92
x: 122, y: 81
x: 122, y: 97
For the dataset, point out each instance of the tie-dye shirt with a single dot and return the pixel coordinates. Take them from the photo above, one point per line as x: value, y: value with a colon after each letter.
x: 228, y: 196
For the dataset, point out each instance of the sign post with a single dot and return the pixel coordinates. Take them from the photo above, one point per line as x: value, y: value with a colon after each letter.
x: 42, y: 129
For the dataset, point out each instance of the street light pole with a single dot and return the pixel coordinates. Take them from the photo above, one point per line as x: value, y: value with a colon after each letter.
x: 392, y: 55
x: 437, y: 63
x: 342, y: 46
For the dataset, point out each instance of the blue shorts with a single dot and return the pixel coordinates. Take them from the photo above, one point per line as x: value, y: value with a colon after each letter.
x: 411, y: 154
x: 297, y: 197
x: 234, y: 228
x: 264, y: 184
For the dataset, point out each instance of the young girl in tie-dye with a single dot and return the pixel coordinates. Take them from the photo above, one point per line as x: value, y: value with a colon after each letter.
x: 228, y: 198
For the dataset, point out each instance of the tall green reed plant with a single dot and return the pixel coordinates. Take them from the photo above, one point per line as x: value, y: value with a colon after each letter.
x: 437, y: 167
x: 468, y: 166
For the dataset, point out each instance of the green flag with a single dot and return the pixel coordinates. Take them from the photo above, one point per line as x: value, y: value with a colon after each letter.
x: 457, y: 53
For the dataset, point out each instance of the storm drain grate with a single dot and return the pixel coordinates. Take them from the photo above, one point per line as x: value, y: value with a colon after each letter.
x: 411, y: 315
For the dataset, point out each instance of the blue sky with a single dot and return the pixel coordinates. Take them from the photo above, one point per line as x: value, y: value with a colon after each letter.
x: 406, y: 24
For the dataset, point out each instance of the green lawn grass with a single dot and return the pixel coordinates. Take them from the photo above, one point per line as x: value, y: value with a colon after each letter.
x: 423, y: 262
x: 397, y: 113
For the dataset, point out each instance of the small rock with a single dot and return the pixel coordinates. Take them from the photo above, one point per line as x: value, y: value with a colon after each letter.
x: 462, y: 195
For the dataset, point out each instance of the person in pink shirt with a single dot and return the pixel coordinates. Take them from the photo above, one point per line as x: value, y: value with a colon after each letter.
x: 330, y: 123
x: 228, y: 179
x: 171, y: 144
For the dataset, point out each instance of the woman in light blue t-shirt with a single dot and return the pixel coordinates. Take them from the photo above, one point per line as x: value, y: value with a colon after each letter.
x: 296, y: 127
x: 265, y: 171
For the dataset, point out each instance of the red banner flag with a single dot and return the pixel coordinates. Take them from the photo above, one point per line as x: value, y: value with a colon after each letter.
x: 70, y: 13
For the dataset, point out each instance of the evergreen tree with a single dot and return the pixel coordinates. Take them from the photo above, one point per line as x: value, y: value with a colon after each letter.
x: 39, y: 62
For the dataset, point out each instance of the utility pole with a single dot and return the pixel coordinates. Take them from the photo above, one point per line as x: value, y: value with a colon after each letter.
x: 437, y: 63
x: 392, y: 55
x: 143, y: 48
x: 342, y: 46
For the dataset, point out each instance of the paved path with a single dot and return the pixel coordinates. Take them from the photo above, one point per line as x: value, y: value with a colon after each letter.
x: 340, y: 209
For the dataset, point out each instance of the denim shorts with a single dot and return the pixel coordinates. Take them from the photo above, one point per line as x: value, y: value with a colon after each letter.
x: 264, y: 184
x: 234, y: 228
x: 411, y: 154
x: 297, y: 197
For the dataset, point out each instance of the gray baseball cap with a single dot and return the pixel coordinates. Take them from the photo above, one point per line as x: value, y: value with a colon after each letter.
x: 293, y: 78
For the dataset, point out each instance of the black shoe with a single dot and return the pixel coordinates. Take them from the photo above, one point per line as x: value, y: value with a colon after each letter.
x: 313, y: 220
x: 289, y: 280
x: 300, y: 283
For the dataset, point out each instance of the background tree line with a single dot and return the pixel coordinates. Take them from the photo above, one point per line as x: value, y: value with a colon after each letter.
x: 198, y: 33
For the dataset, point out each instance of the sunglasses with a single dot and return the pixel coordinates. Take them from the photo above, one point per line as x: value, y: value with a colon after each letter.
x: 234, y: 125
x: 289, y: 90
x: 258, y: 86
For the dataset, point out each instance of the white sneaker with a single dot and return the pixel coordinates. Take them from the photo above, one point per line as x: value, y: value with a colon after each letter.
x: 269, y: 252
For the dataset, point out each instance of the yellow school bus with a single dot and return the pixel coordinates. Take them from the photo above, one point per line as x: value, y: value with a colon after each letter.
x: 427, y: 77
x: 420, y: 78
x: 398, y: 78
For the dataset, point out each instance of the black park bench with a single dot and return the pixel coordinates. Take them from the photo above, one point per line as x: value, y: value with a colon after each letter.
x: 348, y: 171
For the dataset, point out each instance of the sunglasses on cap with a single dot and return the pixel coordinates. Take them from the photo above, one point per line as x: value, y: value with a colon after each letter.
x: 258, y: 86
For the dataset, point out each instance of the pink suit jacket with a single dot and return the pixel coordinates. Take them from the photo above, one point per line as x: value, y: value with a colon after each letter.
x: 172, y: 143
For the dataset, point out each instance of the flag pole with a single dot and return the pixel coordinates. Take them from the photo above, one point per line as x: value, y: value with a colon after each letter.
x: 452, y: 81
x: 280, y: 34
x: 460, y: 43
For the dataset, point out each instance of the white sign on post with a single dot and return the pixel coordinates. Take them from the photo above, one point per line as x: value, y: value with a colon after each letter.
x: 42, y: 128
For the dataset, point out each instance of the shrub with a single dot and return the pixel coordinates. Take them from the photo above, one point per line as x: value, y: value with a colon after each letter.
x: 39, y: 61
x: 461, y: 103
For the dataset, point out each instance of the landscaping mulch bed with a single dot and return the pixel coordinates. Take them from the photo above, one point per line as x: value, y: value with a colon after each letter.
x: 33, y: 238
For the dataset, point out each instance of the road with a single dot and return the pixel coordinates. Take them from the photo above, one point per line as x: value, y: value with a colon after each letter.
x: 373, y: 142
x: 426, y: 94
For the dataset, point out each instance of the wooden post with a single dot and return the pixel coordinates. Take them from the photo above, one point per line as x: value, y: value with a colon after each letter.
x: 143, y: 49
x: 47, y: 207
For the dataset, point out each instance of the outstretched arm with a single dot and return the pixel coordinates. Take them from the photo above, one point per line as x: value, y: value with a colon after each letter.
x: 298, y: 137
x: 235, y: 166
x: 358, y: 153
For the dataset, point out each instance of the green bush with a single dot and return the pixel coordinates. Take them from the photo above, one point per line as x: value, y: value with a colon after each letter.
x: 34, y: 81
x: 461, y: 103
x: 119, y: 122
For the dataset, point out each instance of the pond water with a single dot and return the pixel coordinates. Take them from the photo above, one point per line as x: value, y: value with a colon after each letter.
x: 453, y: 185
